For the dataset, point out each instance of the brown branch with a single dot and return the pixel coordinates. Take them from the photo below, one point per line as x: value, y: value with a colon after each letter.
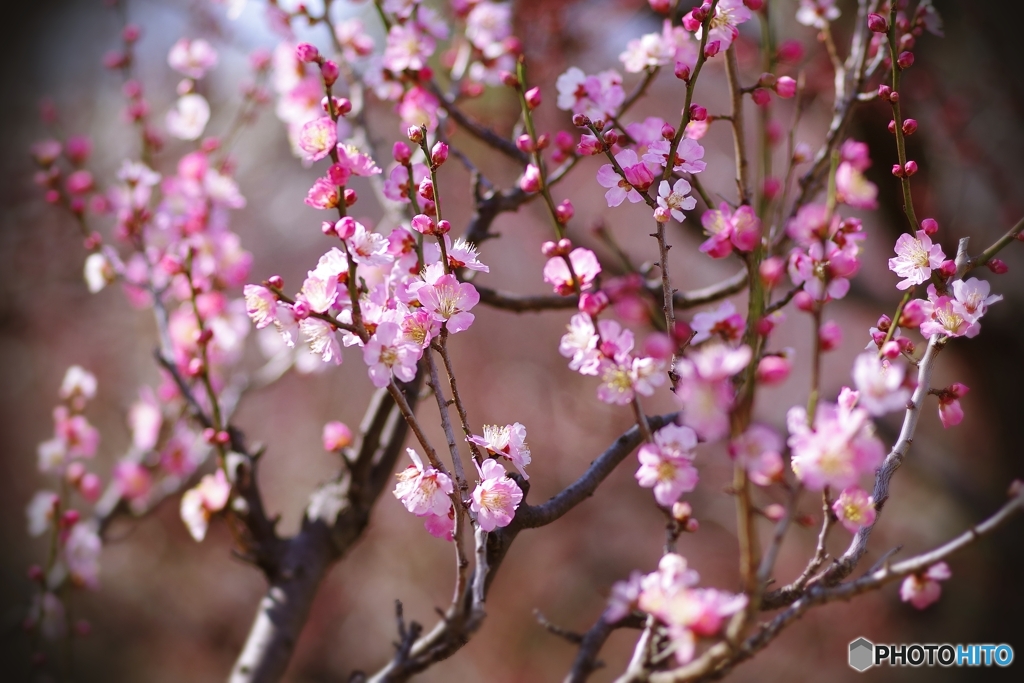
x: 477, y: 129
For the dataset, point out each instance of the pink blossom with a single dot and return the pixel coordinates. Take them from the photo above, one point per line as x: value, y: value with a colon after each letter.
x: 667, y: 464
x: 317, y: 138
x: 727, y: 229
x: 973, y: 298
x: 580, y: 345
x: 419, y: 326
x: 133, y: 480
x: 79, y: 438
x: 448, y: 299
x: 824, y: 269
x: 817, y: 13
x: 584, y: 264
x: 947, y: 316
x: 916, y: 257
x: 260, y: 304
x: 723, y: 322
x: 638, y: 177
x: 728, y: 15
x: 531, y: 181
x: 397, y: 187
x: 774, y: 369
x: 441, y: 526
x: 880, y: 384
x: 705, y: 390
x: 386, y: 353
x: 323, y: 195
x: 950, y: 412
x: 423, y: 490
x: 496, y: 497
x: 688, y: 155
x: 646, y: 132
x: 676, y: 199
x: 40, y: 512
x: 855, y: 509
x: 489, y: 23
x: 322, y: 339
x: 840, y: 448
x: 853, y: 189
x: 353, y: 38
x: 336, y: 436
x: 418, y: 107
x: 198, y: 504
x: 188, y: 119
x: 463, y: 254
x: 758, y: 451
x: 78, y: 387
x: 357, y: 162
x: 649, y: 50
x: 320, y: 293
x: 810, y: 225
x: 192, y: 57
x: 623, y: 598
x: 921, y: 590
x: 507, y: 441
x: 596, y: 97
x: 82, y: 555
x: 145, y: 419
x: 407, y: 47
x: 368, y: 248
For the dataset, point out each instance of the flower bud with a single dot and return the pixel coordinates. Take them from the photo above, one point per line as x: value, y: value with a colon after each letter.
x: 300, y: 309
x: 439, y: 154
x: 327, y: 228
x: 346, y: 227
x: 564, y: 246
x: 894, y: 97
x: 564, y: 212
x: 658, y: 345
x: 524, y: 143
x: 913, y: 313
x: 90, y: 487
x: 774, y: 512
x: 785, y: 87
x: 662, y: 215
x: 681, y: 511
x: 830, y: 335
x: 401, y: 152
x: 275, y: 281
x: 415, y: 134
x: 564, y: 141
x: 905, y: 60
x: 509, y: 79
x: 909, y: 127
x: 997, y: 266
x: 771, y: 188
x: 443, y: 227
x: 771, y: 271
x: 131, y: 33
x: 773, y: 370
x: 349, y: 196
x: 910, y: 168
x: 698, y: 113
x: 891, y: 126
x: 790, y: 51
x: 877, y: 23
x: 580, y: 121
x: 194, y: 367
x: 530, y: 181
x: 70, y: 518
x: 754, y: 5
x: 592, y: 303
x: 897, y: 170
x: 682, y: 71
x: 338, y: 174
x: 884, y: 92
x: 549, y: 249
x: 543, y: 140
x: 692, y: 19
x: 891, y: 350
x: 761, y: 97
x: 329, y: 70
x: 692, y: 525
x: 804, y: 302
x: 682, y: 332
x: 930, y: 226
x: 336, y: 436
x: 712, y: 48
x: 533, y: 98
x: 305, y: 52
x: 947, y: 268
x: 426, y: 189
x: 660, y: 6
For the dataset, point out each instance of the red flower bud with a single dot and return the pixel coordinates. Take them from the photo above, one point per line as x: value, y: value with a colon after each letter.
x: 877, y: 23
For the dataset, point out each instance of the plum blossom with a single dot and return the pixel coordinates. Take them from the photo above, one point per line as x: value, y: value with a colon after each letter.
x: 496, y: 497
x: 916, y: 257
x: 705, y: 389
x: 723, y: 322
x: 676, y: 199
x: 441, y: 526
x: 824, y: 269
x: 407, y: 47
x: 854, y: 508
x: 82, y: 555
x: 387, y: 352
x: 973, y: 298
x: 188, y: 119
x: 448, y: 299
x: 354, y: 40
x: 488, y: 24
x: 336, y: 436
x: 507, y: 441
x: 596, y: 97
x: 133, y: 480
x: 145, y: 419
x: 852, y: 188
x: 317, y: 138
x: 624, y: 597
x: 423, y: 490
x: 40, y: 512
x: 320, y: 293
x: 199, y: 503
x: 322, y: 339
x: 323, y: 195
x: 880, y: 384
x: 950, y: 411
x: 98, y: 272
x: 758, y: 450
x: 728, y: 229
x: 357, y: 162
x: 647, y: 51
x: 463, y: 254
x: 921, y: 590
x: 666, y: 465
x: 638, y: 177
x: 192, y: 57
x: 817, y: 13
x: 78, y: 387
x: 368, y: 248
x: 79, y: 438
x: 951, y: 316
x: 688, y: 156
x: 728, y: 15
x: 840, y: 448
x: 580, y: 345
x: 260, y: 305
x: 584, y: 264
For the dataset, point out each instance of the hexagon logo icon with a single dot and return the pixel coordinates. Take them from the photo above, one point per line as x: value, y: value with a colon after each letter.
x: 862, y: 654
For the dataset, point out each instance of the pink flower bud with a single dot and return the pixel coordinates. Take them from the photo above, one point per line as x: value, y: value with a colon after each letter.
x: 300, y: 309
x: 439, y: 154
x: 660, y: 6
x: 564, y: 246
x: 549, y: 249
x: 401, y: 152
x: 564, y: 212
x: 830, y: 335
x: 790, y: 51
x: 804, y: 302
x: 327, y: 228
x: 771, y: 187
x: 906, y: 345
x: 662, y: 215
x: 525, y: 143
x: 533, y: 98
x: 897, y: 170
x: 70, y: 518
x: 947, y: 268
x: 997, y: 266
x: 443, y: 227
x: 336, y: 435
x: 580, y: 121
x: 877, y: 23
x: 692, y: 525
x: 682, y: 71
x: 891, y: 349
x: 35, y: 573
x: 592, y: 303
x: 785, y: 87
x: 658, y: 345
x: 530, y: 182
x: 349, y: 196
x: 884, y: 93
x: 329, y: 70
x: 910, y: 168
x: 611, y: 137
x: 892, y: 126
x: 905, y: 60
x: 77, y: 149
x: 564, y: 141
x: 894, y: 97
x: 681, y: 332
x: 930, y: 226
x: 761, y: 97
x: 775, y: 512
x: 771, y: 270
x: 754, y: 5
x: 509, y: 79
x: 338, y: 174
x: 712, y: 48
x: 131, y: 33
x: 305, y: 52
x: 275, y: 281
x: 909, y: 127
x: 194, y: 368
x: 415, y: 134
x: 698, y: 113
x: 773, y: 370
x: 690, y: 21
x: 426, y: 189
x: 907, y: 41
x: 913, y: 313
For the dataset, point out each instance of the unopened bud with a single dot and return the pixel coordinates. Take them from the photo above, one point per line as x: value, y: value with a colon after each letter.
x: 564, y: 212
x: 275, y: 281
x: 892, y: 126
x: 891, y: 350
x: 712, y: 48
x: 194, y: 368
x: 930, y: 226
x: 533, y: 98
x: 897, y: 170
x: 877, y: 23
x: 443, y: 227
x: 785, y: 87
x: 592, y: 303
x: 329, y: 70
x: 426, y: 189
x: 884, y: 93
x: 682, y: 71
x: 525, y: 143
x: 345, y: 228
x: 909, y: 127
x: 300, y: 309
x: 580, y: 121
x: 349, y: 196
x: 910, y: 168
x: 401, y: 152
x: 698, y: 113
x: 905, y: 60
x: 509, y: 79
x: 947, y: 268
x: 415, y: 134
x: 997, y: 266
x: 439, y: 154
x: 306, y: 52
x: 761, y: 97
x: 549, y: 249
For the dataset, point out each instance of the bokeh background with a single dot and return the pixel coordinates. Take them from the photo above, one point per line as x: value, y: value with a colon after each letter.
x: 173, y: 610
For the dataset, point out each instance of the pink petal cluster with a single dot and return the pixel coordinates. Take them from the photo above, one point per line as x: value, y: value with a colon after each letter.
x: 839, y: 447
x: 723, y: 322
x: 639, y: 175
x: 950, y: 411
x: 854, y: 509
x: 959, y: 315
x: 507, y: 441
x: 758, y: 450
x: 705, y: 390
x: 423, y: 490
x: 192, y: 58
x: 728, y: 229
x: 597, y: 97
x: 676, y: 199
x: 921, y: 590
x: 729, y: 14
x: 915, y: 259
x: 666, y: 465
x: 447, y: 299
x: 388, y: 353
x: 880, y: 384
x: 584, y: 264
x: 496, y: 497
x: 318, y: 138
x: 198, y: 504
x: 852, y: 188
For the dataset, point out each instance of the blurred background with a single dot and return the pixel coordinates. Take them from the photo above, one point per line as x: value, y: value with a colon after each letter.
x: 173, y: 610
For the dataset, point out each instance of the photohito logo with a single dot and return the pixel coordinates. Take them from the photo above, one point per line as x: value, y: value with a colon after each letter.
x: 864, y: 654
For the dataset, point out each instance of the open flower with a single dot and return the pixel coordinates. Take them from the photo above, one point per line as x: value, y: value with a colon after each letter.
x: 916, y: 257
x: 854, y: 508
x: 423, y: 490
x: 638, y: 177
x: 584, y: 264
x: 507, y: 441
x: 667, y: 464
x: 496, y: 497
x: 921, y: 590
x: 676, y: 199
x: 387, y: 353
x: 728, y: 229
x: 198, y: 504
